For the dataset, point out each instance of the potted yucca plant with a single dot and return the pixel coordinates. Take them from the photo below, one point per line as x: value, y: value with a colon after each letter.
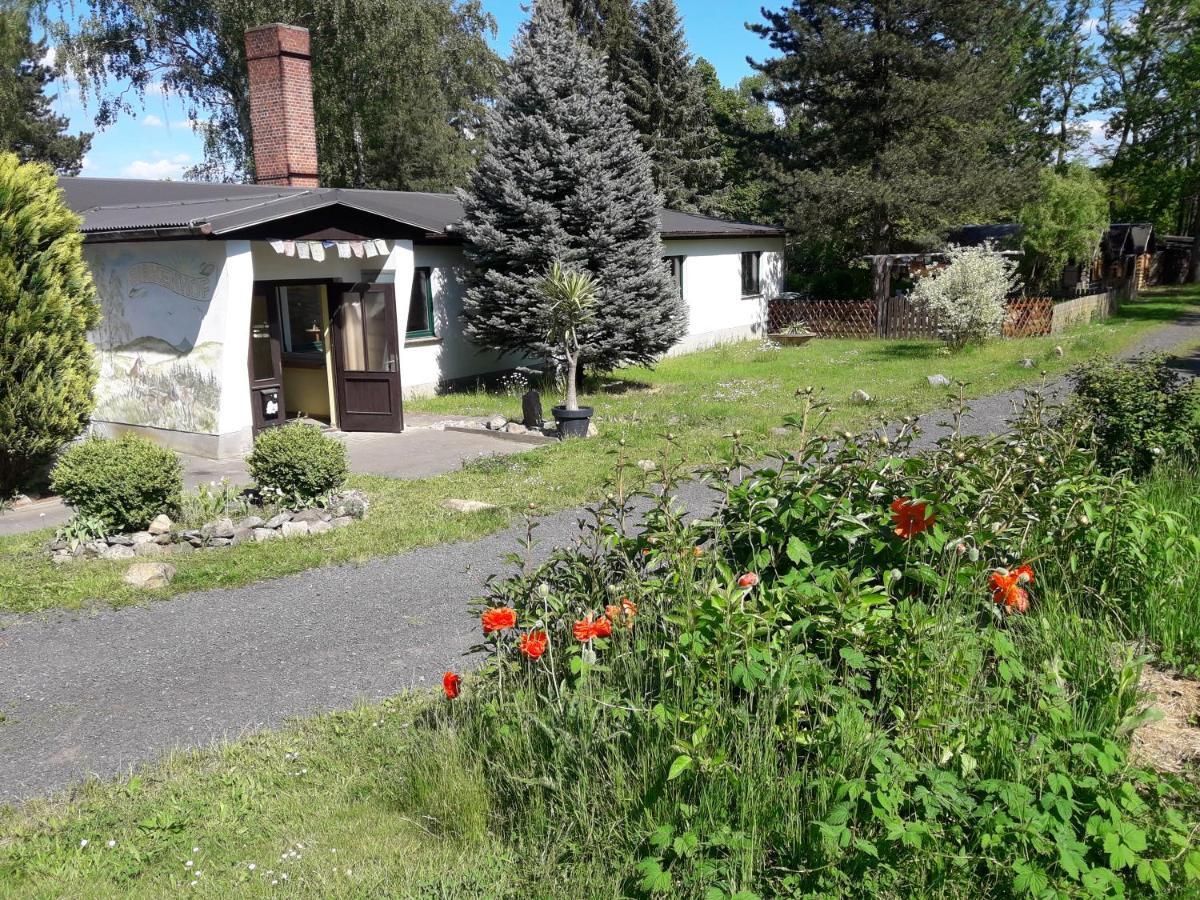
x: 571, y: 298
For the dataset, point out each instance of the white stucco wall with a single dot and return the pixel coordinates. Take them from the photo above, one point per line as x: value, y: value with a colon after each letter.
x: 166, y: 345
x: 712, y: 289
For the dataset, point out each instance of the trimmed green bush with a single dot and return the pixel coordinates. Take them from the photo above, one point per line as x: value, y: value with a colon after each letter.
x: 47, y: 306
x: 298, y: 463
x: 1142, y: 410
x: 125, y: 482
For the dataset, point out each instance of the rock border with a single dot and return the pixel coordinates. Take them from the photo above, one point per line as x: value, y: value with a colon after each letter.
x: 161, y: 538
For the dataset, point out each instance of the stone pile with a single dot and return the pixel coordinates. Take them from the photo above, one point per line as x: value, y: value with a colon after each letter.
x: 161, y: 537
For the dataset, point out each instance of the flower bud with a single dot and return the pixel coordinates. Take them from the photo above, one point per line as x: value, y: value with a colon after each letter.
x: 543, y: 590
x: 1084, y: 520
x: 960, y: 548
x: 973, y: 554
x: 960, y: 456
x: 1040, y: 460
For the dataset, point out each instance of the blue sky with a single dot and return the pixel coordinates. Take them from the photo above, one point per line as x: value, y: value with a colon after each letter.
x: 159, y: 143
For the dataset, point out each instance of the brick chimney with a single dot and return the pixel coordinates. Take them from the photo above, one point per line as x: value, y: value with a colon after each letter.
x: 281, y: 105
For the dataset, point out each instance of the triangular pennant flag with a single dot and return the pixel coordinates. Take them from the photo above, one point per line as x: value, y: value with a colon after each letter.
x: 302, y: 249
x: 369, y: 249
x: 318, y: 251
x: 289, y: 248
x: 343, y: 250
x: 356, y: 248
x: 381, y: 247
x: 277, y: 246
x: 328, y: 245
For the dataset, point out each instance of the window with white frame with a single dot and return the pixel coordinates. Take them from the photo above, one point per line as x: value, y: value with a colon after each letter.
x: 751, y: 274
x: 675, y: 270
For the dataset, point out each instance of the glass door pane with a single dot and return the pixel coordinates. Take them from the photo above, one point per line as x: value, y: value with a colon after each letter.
x: 352, y: 333
x: 375, y: 323
x: 261, y: 354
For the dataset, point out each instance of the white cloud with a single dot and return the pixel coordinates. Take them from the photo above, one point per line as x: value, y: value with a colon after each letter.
x: 157, y: 169
x: 152, y: 121
x: 50, y: 56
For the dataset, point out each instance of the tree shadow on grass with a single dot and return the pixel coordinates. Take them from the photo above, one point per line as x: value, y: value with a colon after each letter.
x: 1163, y: 305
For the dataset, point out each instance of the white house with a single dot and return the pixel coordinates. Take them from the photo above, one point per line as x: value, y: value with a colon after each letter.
x: 228, y: 308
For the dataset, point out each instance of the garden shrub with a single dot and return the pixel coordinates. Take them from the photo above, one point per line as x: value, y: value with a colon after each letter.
x: 968, y: 297
x: 872, y: 673
x: 297, y: 463
x: 124, y: 482
x: 47, y: 306
x: 1142, y: 410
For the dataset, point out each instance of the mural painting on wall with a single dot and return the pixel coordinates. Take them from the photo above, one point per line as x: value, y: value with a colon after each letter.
x: 158, y: 343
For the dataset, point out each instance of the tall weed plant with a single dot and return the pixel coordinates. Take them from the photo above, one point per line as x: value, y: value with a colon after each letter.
x: 872, y: 673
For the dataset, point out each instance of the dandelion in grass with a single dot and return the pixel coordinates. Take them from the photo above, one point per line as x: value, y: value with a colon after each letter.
x: 534, y: 644
x: 748, y: 580
x: 499, y: 618
x: 910, y: 517
x: 1007, y: 590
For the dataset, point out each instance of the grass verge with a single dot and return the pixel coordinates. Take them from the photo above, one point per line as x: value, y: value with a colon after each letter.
x: 699, y: 397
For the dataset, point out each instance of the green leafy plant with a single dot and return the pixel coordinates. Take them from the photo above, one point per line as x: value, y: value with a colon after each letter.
x: 212, y: 501
x: 571, y: 300
x: 124, y: 482
x: 47, y: 306
x: 1064, y: 223
x: 1141, y: 409
x: 297, y: 463
x: 967, y: 296
x: 80, y: 529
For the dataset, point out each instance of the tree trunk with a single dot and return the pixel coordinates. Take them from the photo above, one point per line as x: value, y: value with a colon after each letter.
x: 572, y: 392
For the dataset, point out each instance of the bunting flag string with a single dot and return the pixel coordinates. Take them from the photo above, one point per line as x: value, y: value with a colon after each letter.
x: 315, y: 250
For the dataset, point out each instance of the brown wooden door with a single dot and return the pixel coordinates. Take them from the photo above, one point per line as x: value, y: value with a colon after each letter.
x: 266, y: 365
x: 366, y: 358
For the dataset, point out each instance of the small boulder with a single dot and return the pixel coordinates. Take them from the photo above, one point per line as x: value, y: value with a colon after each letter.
x: 1059, y: 351
x: 164, y: 538
x: 464, y: 506
x: 182, y: 549
x: 495, y: 423
x: 150, y: 576
x: 160, y: 525
x: 647, y: 465
x: 251, y: 522
x: 342, y: 522
x: 860, y: 396
x: 277, y: 521
x: 307, y: 515
x: 141, y: 537
x: 593, y: 431
x: 351, y: 503
x: 294, y: 529
x: 318, y: 527
x: 938, y: 381
x: 266, y: 534
x: 515, y: 428
x: 1026, y: 363
x: 149, y: 549
x: 223, y: 528
x: 221, y: 542
x: 241, y: 535
x: 118, y: 551
x: 123, y: 540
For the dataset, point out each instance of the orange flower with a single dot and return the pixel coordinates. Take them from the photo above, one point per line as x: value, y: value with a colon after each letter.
x: 534, y: 644
x: 498, y: 618
x: 1024, y: 574
x: 908, y: 517
x: 612, y: 611
x: 452, y: 685
x: 697, y: 552
x: 1007, y: 590
x: 584, y: 629
x: 602, y: 627
x: 628, y: 607
x: 749, y: 580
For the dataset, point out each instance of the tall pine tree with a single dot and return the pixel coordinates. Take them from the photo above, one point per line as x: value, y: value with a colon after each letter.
x: 668, y: 106
x: 29, y: 126
x: 564, y: 178
x: 898, y: 120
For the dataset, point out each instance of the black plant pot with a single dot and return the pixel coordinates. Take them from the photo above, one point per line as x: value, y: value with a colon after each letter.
x: 572, y: 422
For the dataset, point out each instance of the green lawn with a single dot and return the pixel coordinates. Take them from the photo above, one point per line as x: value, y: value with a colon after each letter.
x: 698, y: 398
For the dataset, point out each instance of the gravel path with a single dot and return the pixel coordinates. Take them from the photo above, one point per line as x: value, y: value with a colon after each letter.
x: 97, y: 692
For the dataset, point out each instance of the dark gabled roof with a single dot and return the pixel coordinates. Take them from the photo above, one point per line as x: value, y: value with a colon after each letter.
x: 117, y: 208
x: 1004, y: 235
x: 1124, y: 238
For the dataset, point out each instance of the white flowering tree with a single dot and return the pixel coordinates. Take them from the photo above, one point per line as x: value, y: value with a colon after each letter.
x: 967, y: 296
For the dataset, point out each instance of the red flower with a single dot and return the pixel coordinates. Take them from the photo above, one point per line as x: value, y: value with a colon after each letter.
x: 908, y: 517
x: 452, y: 685
x: 1007, y: 590
x: 534, y: 644
x: 498, y: 618
x: 588, y: 628
x: 584, y: 629
x: 749, y: 580
x: 1024, y: 574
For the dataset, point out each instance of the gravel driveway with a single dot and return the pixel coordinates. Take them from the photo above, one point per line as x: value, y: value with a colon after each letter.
x: 97, y: 692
